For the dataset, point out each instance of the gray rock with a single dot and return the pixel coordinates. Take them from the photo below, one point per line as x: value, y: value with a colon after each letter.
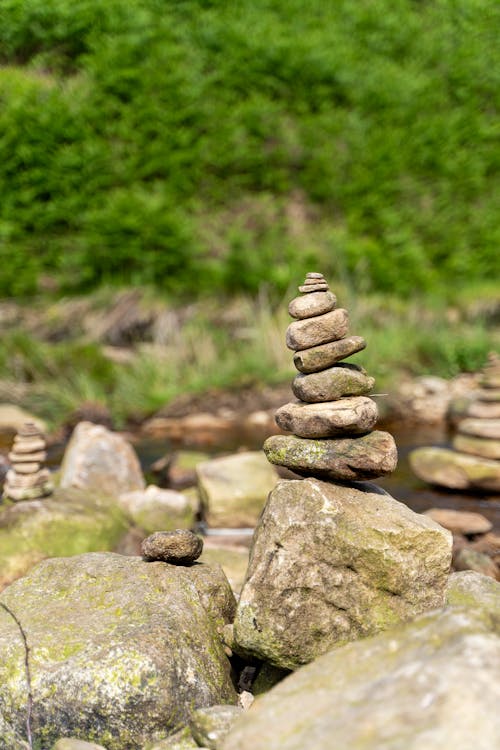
x: 478, y: 592
x: 429, y: 685
x: 181, y: 740
x: 470, y: 559
x: 309, y: 305
x: 100, y: 460
x: 484, y: 447
x: 348, y: 416
x: 455, y: 470
x: 346, y: 459
x: 332, y: 384
x: 485, y: 428
x: 330, y: 564
x: 120, y: 650
x: 460, y: 521
x: 210, y: 725
x: 319, y: 287
x: 70, y: 743
x: 302, y: 334
x: 156, y: 508
x: 320, y: 357
x: 233, y: 489
x: 180, y: 547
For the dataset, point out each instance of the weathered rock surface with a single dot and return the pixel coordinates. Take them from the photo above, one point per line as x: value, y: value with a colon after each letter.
x: 484, y: 447
x: 210, y: 725
x: 476, y: 591
x: 233, y: 489
x: 155, y: 508
x: 460, y: 521
x: 455, y: 470
x: 70, y: 743
x: 471, y: 559
x: 346, y: 459
x: 120, y: 650
x: 429, y: 685
x: 302, y: 334
x: 69, y: 522
x: 330, y: 564
x: 180, y: 547
x: 485, y: 428
x: 332, y: 384
x: 181, y: 740
x: 99, y: 460
x: 320, y: 357
x: 352, y: 416
x: 316, y: 303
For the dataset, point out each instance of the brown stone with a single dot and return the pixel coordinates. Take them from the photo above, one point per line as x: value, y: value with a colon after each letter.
x: 320, y: 357
x: 302, y: 334
x: 26, y: 468
x: 310, y: 305
x: 455, y: 470
x: 483, y: 410
x: 487, y: 394
x: 485, y: 428
x: 319, y: 287
x: 19, y: 458
x: 332, y: 384
x: 347, y: 416
x: 470, y: 559
x: 180, y: 547
x: 460, y: 521
x: 314, y: 275
x: 484, y: 447
x: 25, y: 445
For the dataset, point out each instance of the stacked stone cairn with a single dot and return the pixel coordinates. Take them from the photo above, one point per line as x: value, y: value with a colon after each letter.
x: 28, y: 479
x: 332, y: 419
x: 473, y: 462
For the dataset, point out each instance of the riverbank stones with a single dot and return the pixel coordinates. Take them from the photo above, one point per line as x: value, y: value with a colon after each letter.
x: 28, y: 479
x: 180, y: 547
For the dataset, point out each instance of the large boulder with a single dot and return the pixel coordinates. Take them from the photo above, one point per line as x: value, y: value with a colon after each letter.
x: 457, y: 471
x: 330, y: 564
x: 120, y: 651
x: 100, y: 460
x: 69, y: 522
x: 234, y: 489
x: 428, y: 685
x: 155, y: 508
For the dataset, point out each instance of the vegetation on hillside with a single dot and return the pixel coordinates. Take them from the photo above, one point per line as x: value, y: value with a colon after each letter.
x: 208, y: 146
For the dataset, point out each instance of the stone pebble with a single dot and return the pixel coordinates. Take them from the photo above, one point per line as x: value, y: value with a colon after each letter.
x: 180, y: 547
x: 310, y: 305
x: 347, y: 416
x: 320, y: 287
x: 333, y: 383
x: 484, y: 447
x: 303, y: 334
x: 484, y: 428
x: 320, y: 357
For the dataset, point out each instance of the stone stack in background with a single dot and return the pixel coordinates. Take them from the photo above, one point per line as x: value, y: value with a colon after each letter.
x: 332, y: 419
x: 474, y: 460
x: 28, y: 479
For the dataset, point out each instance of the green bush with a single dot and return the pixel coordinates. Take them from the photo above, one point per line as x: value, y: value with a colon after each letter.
x: 136, y: 140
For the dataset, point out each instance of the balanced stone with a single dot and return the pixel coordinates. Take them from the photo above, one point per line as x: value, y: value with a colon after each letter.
x: 315, y: 275
x: 27, y: 479
x: 351, y: 416
x: 455, y: 470
x: 486, y: 428
x: 310, y: 305
x: 16, y: 457
x: 484, y: 447
x: 319, y: 287
x: 487, y: 394
x: 325, y: 355
x: 366, y: 457
x: 483, y: 410
x: 302, y: 334
x: 332, y: 384
x: 181, y: 547
x: 28, y: 445
x: 26, y: 468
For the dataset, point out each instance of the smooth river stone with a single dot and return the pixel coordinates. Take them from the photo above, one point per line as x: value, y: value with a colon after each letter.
x: 457, y: 471
x: 320, y: 357
x: 302, y: 334
x: 486, y: 394
x: 19, y: 458
x: 319, y: 287
x: 24, y: 445
x: 485, y: 428
x: 346, y: 459
x: 484, y: 447
x: 490, y: 380
x: 352, y: 416
x: 332, y: 384
x: 309, y: 305
x: 483, y: 410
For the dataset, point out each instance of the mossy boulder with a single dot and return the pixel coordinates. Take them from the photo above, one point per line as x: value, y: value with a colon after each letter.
x: 470, y: 589
x: 330, y: 564
x: 154, y: 508
x: 69, y: 522
x: 120, y: 651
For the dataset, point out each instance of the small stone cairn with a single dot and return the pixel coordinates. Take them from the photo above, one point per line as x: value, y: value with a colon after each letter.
x: 332, y: 419
x: 27, y: 479
x: 474, y: 460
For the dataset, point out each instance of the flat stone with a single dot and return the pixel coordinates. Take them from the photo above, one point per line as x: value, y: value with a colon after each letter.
x: 313, y: 304
x: 302, y: 334
x: 349, y: 459
x: 484, y: 447
x: 490, y: 380
x: 28, y: 493
x: 25, y: 445
x: 332, y: 563
x: 460, y: 521
x: 351, y: 416
x: 457, y: 471
x: 27, y: 480
x: 26, y: 468
x: 180, y: 547
x: 29, y: 430
x: 487, y: 394
x: 333, y: 383
x: 483, y: 410
x: 70, y: 743
x: 319, y: 287
x: 210, y: 725
x: 16, y: 457
x: 486, y: 428
x: 314, y: 275
x: 320, y: 357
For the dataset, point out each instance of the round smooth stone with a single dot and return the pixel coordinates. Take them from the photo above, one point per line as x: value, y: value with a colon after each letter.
x: 348, y: 416
x: 484, y: 428
x: 319, y: 287
x: 28, y: 493
x: 313, y: 275
x: 332, y: 384
x: 490, y: 380
x: 303, y: 334
x: 310, y: 305
x: 460, y: 521
x: 483, y: 410
x: 487, y: 394
x: 25, y: 468
x: 39, y: 479
x: 348, y: 459
x: 455, y: 470
x: 320, y: 357
x: 25, y: 445
x: 180, y: 547
x: 29, y: 430
x: 19, y: 458
x: 484, y: 447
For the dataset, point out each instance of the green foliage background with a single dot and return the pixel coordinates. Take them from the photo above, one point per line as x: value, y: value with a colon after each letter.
x: 208, y: 145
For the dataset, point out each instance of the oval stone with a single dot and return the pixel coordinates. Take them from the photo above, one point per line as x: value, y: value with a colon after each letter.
x: 484, y: 447
x: 310, y: 305
x: 483, y: 410
x: 348, y: 416
x: 320, y: 357
x: 180, y: 547
x: 332, y: 384
x: 486, y: 428
x: 302, y: 334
